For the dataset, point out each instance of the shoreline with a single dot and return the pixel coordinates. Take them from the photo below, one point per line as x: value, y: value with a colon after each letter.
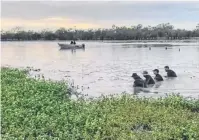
x: 36, y: 73
x: 43, y: 109
x: 155, y: 40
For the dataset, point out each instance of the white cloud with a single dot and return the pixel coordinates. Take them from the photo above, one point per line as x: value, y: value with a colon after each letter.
x: 101, y: 13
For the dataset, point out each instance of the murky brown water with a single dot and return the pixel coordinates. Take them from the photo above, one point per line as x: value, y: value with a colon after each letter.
x: 106, y: 68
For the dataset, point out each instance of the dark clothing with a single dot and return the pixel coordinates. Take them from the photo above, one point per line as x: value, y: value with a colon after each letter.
x: 149, y: 80
x: 171, y: 73
x: 136, y: 77
x: 139, y: 82
x: 158, y: 77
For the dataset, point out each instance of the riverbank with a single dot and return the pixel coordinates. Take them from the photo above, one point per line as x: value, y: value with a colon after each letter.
x: 44, y: 110
x: 192, y: 40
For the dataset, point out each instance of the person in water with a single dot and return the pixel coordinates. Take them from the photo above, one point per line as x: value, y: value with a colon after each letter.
x: 139, y: 82
x: 158, y: 77
x: 170, y: 73
x: 74, y: 42
x: 149, y: 80
x: 71, y: 42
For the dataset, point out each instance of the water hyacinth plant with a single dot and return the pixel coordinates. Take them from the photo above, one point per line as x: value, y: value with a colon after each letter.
x: 42, y: 109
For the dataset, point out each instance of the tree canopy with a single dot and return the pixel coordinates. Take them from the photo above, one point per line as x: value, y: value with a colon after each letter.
x: 139, y: 32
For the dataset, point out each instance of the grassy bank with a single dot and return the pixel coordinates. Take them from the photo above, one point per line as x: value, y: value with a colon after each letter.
x: 43, y: 110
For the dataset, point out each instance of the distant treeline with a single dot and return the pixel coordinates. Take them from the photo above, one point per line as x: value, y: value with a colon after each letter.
x: 161, y: 31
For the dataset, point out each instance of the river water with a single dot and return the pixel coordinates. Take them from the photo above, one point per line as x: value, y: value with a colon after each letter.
x: 106, y: 67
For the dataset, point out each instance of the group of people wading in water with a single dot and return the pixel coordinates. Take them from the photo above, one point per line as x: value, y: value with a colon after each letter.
x: 139, y: 82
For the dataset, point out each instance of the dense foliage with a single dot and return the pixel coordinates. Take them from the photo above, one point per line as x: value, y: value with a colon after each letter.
x: 39, y: 109
x: 161, y: 31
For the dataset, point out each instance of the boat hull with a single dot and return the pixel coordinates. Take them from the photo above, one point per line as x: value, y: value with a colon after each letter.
x: 71, y: 46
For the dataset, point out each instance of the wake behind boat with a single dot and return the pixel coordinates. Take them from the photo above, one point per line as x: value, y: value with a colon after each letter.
x: 71, y: 46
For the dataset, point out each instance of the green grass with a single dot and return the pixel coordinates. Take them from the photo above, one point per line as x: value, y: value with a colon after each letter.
x: 38, y: 109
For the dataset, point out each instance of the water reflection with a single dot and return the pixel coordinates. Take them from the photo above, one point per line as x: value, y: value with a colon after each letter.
x: 158, y: 84
x: 166, y: 46
x: 106, y: 67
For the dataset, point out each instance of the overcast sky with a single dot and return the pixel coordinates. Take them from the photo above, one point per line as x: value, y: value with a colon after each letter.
x: 53, y: 14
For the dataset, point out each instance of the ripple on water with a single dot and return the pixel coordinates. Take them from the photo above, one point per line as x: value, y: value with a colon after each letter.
x: 106, y: 69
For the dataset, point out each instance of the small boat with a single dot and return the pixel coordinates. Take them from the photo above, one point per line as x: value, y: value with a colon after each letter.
x: 71, y: 46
